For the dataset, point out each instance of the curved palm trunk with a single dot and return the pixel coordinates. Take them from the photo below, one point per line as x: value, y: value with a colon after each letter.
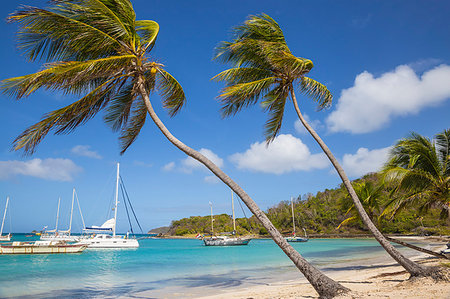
x: 325, y: 286
x: 413, y: 268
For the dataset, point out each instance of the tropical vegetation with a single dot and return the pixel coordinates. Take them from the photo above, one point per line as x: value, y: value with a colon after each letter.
x: 264, y: 70
x: 419, y: 170
x: 322, y: 215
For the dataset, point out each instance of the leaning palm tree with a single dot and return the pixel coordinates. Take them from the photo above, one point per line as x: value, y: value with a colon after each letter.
x: 97, y: 50
x: 263, y: 68
x: 419, y: 168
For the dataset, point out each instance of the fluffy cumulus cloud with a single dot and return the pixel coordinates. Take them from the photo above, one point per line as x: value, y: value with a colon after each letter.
x: 189, y: 164
x: 285, y: 154
x: 48, y: 169
x: 365, y: 161
x: 84, y: 150
x: 372, y: 102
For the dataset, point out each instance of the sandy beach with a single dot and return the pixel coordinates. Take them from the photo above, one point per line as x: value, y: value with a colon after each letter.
x: 381, y: 280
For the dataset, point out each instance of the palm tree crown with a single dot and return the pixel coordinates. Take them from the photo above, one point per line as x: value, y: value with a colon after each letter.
x: 264, y: 68
x: 420, y: 167
x: 96, y: 50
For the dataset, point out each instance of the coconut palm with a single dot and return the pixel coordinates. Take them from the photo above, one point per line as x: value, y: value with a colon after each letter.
x: 263, y: 68
x: 370, y: 195
x: 420, y: 170
x: 97, y: 50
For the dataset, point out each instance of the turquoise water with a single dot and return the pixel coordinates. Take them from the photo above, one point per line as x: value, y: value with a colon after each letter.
x: 161, y: 265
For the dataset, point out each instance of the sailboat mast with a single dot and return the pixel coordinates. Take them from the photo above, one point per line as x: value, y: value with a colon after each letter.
x: 117, y: 201
x: 71, y: 211
x: 212, y: 220
x: 57, y: 215
x: 232, y: 207
x: 4, y: 215
x: 293, y: 219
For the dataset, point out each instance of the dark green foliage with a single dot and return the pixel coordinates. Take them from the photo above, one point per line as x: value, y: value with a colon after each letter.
x: 321, y: 214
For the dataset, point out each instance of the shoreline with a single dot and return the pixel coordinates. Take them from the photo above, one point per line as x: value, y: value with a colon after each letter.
x: 375, y: 277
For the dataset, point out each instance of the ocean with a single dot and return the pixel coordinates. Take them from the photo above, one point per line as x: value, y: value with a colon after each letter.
x: 166, y: 268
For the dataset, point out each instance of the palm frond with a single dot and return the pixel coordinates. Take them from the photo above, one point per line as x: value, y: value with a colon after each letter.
x: 119, y: 107
x: 71, y: 77
x: 443, y: 151
x: 242, y: 75
x: 316, y: 91
x: 171, y: 92
x: 274, y: 103
x: 65, y: 119
x: 58, y: 34
x: 347, y: 221
x: 238, y: 96
x: 147, y: 31
x: 133, y: 126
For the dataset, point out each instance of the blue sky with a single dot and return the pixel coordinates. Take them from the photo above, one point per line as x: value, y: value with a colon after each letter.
x: 387, y: 64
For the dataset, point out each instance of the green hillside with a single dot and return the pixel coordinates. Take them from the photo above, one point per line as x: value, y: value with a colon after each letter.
x: 321, y: 214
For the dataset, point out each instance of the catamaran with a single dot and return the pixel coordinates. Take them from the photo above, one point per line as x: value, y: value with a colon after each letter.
x: 8, y: 236
x: 104, y: 236
x: 294, y: 238
x: 225, y: 240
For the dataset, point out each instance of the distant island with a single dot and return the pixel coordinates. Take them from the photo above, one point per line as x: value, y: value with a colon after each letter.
x: 321, y: 215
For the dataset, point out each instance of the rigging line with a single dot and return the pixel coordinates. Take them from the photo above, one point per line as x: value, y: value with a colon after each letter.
x: 131, y: 206
x: 79, y: 209
x: 126, y: 208
x: 248, y: 221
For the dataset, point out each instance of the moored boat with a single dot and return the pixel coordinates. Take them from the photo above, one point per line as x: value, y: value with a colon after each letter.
x: 225, y: 240
x: 103, y: 239
x: 41, y: 247
x: 294, y: 237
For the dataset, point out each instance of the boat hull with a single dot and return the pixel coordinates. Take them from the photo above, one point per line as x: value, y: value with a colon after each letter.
x: 296, y: 239
x: 30, y: 248
x: 106, y: 241
x: 66, y: 238
x: 225, y: 241
x: 5, y: 238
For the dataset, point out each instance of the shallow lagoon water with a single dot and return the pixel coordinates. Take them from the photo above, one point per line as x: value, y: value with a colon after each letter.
x: 159, y: 266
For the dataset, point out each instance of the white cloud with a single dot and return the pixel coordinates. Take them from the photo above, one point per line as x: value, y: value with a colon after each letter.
x: 48, y: 169
x: 169, y: 166
x: 315, y: 124
x: 285, y: 154
x: 84, y: 150
x: 365, y: 161
x: 212, y: 179
x: 190, y: 164
x: 372, y: 102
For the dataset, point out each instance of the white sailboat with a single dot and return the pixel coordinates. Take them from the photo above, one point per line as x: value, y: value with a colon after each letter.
x: 225, y: 240
x: 101, y: 237
x: 8, y: 236
x: 63, y: 235
x: 294, y: 238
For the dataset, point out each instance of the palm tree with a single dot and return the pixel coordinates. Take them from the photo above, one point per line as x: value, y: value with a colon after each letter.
x: 370, y: 194
x: 264, y: 68
x: 420, y: 170
x: 96, y: 49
